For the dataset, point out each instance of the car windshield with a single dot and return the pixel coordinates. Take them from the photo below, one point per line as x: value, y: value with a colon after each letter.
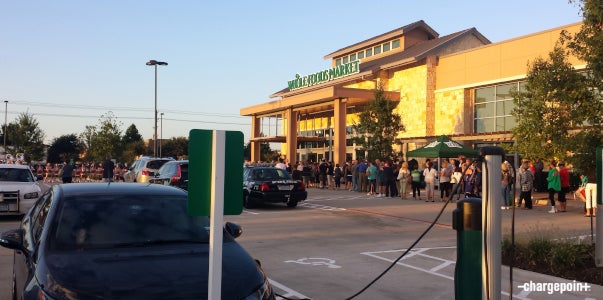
x: 16, y: 175
x: 270, y: 174
x: 106, y: 221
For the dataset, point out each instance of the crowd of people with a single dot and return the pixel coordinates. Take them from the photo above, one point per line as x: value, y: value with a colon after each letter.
x: 69, y: 172
x: 456, y: 178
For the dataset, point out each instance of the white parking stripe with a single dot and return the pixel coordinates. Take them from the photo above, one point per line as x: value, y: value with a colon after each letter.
x: 289, y: 292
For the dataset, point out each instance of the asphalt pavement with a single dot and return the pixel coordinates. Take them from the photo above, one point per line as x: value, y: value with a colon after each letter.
x: 526, y: 284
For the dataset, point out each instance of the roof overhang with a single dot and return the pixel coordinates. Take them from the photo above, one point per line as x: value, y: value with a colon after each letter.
x: 283, y: 139
x: 316, y: 100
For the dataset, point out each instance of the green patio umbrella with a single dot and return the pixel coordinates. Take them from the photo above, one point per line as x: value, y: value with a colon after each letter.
x: 443, y: 147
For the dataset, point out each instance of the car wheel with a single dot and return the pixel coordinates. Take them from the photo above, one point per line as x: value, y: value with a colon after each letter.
x: 292, y: 202
x: 248, y: 202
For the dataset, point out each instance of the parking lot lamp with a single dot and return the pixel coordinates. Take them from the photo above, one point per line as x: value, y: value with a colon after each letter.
x: 155, y: 64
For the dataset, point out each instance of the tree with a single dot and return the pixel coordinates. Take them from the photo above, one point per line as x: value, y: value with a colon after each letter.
x: 26, y: 137
x: 378, y: 126
x: 64, y: 149
x: 265, y: 151
x: 133, y: 144
x: 587, y: 44
x: 176, y: 147
x: 103, y: 140
x: 554, y: 110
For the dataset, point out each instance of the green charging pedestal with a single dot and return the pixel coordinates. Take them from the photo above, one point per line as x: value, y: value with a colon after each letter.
x: 467, y: 221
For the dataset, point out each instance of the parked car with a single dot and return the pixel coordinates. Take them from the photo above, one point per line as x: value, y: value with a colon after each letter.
x: 144, y: 169
x: 124, y: 241
x: 19, y: 189
x: 174, y: 173
x: 272, y: 185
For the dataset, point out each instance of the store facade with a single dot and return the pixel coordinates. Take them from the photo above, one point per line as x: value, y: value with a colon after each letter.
x: 457, y: 85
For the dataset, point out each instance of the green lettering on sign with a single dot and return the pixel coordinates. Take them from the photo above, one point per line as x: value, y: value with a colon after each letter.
x: 324, y: 75
x: 200, y: 150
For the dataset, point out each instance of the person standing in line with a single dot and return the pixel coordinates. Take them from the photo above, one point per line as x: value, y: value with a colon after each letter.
x: 371, y: 175
x: 404, y: 178
x: 337, y: 176
x: 355, y: 179
x: 330, y: 170
x: 554, y: 185
x: 430, y: 175
x: 455, y: 180
x: 505, y: 178
x: 348, y: 176
x: 445, y: 185
x: 590, y: 190
x: 362, y: 181
x: 108, y: 167
x: 564, y: 177
x: 416, y: 182
x: 67, y: 173
x: 526, y: 183
x: 322, y: 174
x: 388, y: 180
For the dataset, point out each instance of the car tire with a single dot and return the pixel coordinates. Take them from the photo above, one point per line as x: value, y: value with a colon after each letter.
x: 292, y: 202
x: 248, y: 201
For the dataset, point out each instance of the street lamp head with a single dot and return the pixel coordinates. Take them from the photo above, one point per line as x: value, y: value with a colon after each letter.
x: 153, y: 62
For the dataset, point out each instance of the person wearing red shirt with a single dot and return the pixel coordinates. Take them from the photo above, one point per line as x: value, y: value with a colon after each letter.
x: 564, y: 177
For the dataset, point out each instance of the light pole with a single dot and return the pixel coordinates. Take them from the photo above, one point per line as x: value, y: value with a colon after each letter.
x: 161, y: 137
x: 5, y: 118
x: 155, y: 63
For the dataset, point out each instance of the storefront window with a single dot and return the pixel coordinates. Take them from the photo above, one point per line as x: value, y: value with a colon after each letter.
x: 369, y: 52
x: 493, y: 107
x: 361, y: 55
x: 353, y: 57
x: 338, y: 62
x: 345, y: 60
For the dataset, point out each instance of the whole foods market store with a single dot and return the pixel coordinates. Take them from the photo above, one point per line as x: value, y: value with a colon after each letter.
x: 470, y: 101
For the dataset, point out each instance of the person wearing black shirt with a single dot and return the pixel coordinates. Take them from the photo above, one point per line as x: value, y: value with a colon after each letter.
x: 108, y: 167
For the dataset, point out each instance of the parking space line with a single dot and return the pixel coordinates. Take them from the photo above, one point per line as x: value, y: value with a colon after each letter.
x: 288, y: 292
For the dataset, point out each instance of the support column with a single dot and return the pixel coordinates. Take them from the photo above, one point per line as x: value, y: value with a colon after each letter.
x: 339, y: 128
x: 255, y: 146
x: 291, y: 134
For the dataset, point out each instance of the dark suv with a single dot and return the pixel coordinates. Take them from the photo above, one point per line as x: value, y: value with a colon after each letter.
x: 273, y: 185
x: 174, y: 173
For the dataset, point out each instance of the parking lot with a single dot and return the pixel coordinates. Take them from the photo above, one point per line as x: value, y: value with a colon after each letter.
x: 335, y: 243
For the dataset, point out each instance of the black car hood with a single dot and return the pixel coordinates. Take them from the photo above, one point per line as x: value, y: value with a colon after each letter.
x: 156, y: 272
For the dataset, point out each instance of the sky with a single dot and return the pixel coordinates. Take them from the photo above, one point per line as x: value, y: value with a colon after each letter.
x: 68, y: 63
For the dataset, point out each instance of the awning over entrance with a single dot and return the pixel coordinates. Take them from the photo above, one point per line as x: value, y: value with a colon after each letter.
x: 315, y: 100
x: 283, y: 139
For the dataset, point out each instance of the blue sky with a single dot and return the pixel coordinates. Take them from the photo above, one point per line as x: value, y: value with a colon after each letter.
x: 69, y: 62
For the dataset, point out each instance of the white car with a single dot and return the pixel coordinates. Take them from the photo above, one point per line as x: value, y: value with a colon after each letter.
x: 19, y: 189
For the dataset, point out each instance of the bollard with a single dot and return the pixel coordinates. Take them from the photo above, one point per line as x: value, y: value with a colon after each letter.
x: 467, y: 221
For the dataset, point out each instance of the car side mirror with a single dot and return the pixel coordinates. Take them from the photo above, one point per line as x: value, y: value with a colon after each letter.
x: 13, y: 239
x: 233, y: 229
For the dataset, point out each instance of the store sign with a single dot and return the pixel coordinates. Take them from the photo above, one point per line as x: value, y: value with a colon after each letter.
x: 324, y: 76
